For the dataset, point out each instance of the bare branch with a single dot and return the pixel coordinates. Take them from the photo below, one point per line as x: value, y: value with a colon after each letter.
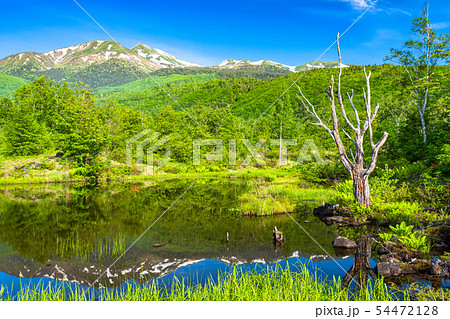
x: 351, y: 153
x: 350, y: 97
x: 349, y: 137
x: 368, y: 122
x: 339, y: 50
x: 375, y: 150
x: 339, y: 94
x: 333, y: 132
x: 333, y: 107
x: 313, y: 112
x: 374, y: 113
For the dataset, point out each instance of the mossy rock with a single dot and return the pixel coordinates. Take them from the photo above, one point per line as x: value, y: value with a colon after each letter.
x: 418, y: 266
x: 393, y: 267
x: 399, y: 251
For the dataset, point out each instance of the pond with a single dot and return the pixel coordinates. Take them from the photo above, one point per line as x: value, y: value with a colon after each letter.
x: 120, y: 233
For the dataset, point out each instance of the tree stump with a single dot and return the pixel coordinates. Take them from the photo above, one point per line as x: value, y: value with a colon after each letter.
x: 361, y: 269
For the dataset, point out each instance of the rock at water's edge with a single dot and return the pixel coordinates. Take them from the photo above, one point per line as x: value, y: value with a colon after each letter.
x: 440, y: 268
x: 326, y: 210
x: 343, y: 242
x: 388, y: 269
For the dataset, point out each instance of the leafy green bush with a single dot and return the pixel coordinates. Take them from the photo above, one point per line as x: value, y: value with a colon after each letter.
x: 91, y: 171
x: 344, y: 193
x: 417, y: 242
x: 175, y: 168
x: 399, y: 211
x: 48, y: 165
x: 407, y: 171
x: 402, y: 229
x: 386, y: 236
x: 431, y: 190
x: 214, y: 168
x: 328, y: 173
x: 383, y: 186
x: 444, y: 161
x: 23, y: 134
x: 408, y: 238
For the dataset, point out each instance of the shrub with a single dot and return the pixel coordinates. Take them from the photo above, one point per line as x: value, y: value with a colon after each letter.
x: 331, y: 172
x: 344, y: 193
x: 402, y: 229
x: 406, y: 236
x: 383, y: 187
x: 409, y: 170
x: 399, y: 211
x: 417, y: 242
x: 386, y: 236
x: 444, y: 161
x: 48, y: 165
x: 175, y: 168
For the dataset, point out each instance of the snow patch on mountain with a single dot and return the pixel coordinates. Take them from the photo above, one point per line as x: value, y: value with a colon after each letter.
x: 232, y: 63
x: 108, y: 53
x: 161, y: 57
x: 142, y: 56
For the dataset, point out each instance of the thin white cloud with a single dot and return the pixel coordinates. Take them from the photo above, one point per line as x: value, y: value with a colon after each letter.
x: 397, y: 10
x: 359, y: 4
x: 440, y: 25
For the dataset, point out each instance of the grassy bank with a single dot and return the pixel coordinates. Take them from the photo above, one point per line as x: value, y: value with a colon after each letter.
x: 45, y: 169
x: 280, y: 195
x: 268, y: 190
x: 272, y: 285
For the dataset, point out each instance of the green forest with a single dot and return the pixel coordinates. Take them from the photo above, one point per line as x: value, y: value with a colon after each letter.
x: 45, y: 117
x: 76, y: 132
x: 90, y: 126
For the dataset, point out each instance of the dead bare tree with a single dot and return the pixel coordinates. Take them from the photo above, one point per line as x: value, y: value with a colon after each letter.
x: 357, y: 166
x: 361, y: 269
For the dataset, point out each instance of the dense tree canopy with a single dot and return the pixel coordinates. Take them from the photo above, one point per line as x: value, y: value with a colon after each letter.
x: 44, y: 117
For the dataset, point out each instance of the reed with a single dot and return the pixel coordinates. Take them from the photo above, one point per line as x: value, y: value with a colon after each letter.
x: 278, y: 284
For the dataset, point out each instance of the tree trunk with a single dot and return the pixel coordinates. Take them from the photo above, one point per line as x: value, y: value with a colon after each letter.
x: 361, y: 189
x: 361, y: 269
x: 424, y: 132
x: 357, y: 168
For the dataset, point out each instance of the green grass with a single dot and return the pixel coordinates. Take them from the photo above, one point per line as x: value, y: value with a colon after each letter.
x: 280, y: 191
x: 390, y: 203
x: 17, y: 171
x: 46, y: 176
x: 271, y: 285
x: 272, y: 190
x: 278, y: 196
x: 8, y: 84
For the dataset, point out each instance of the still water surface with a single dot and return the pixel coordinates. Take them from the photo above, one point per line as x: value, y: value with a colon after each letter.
x: 74, y: 233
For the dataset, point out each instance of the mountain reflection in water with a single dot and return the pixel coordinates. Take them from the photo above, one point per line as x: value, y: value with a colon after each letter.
x: 74, y: 233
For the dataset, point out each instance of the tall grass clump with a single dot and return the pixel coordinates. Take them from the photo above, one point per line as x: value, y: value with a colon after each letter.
x: 279, y: 196
x: 278, y: 284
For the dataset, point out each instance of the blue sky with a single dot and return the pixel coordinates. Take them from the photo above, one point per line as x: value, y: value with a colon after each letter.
x: 208, y: 32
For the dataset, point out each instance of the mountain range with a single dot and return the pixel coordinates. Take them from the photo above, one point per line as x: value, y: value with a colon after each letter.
x: 107, y: 63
